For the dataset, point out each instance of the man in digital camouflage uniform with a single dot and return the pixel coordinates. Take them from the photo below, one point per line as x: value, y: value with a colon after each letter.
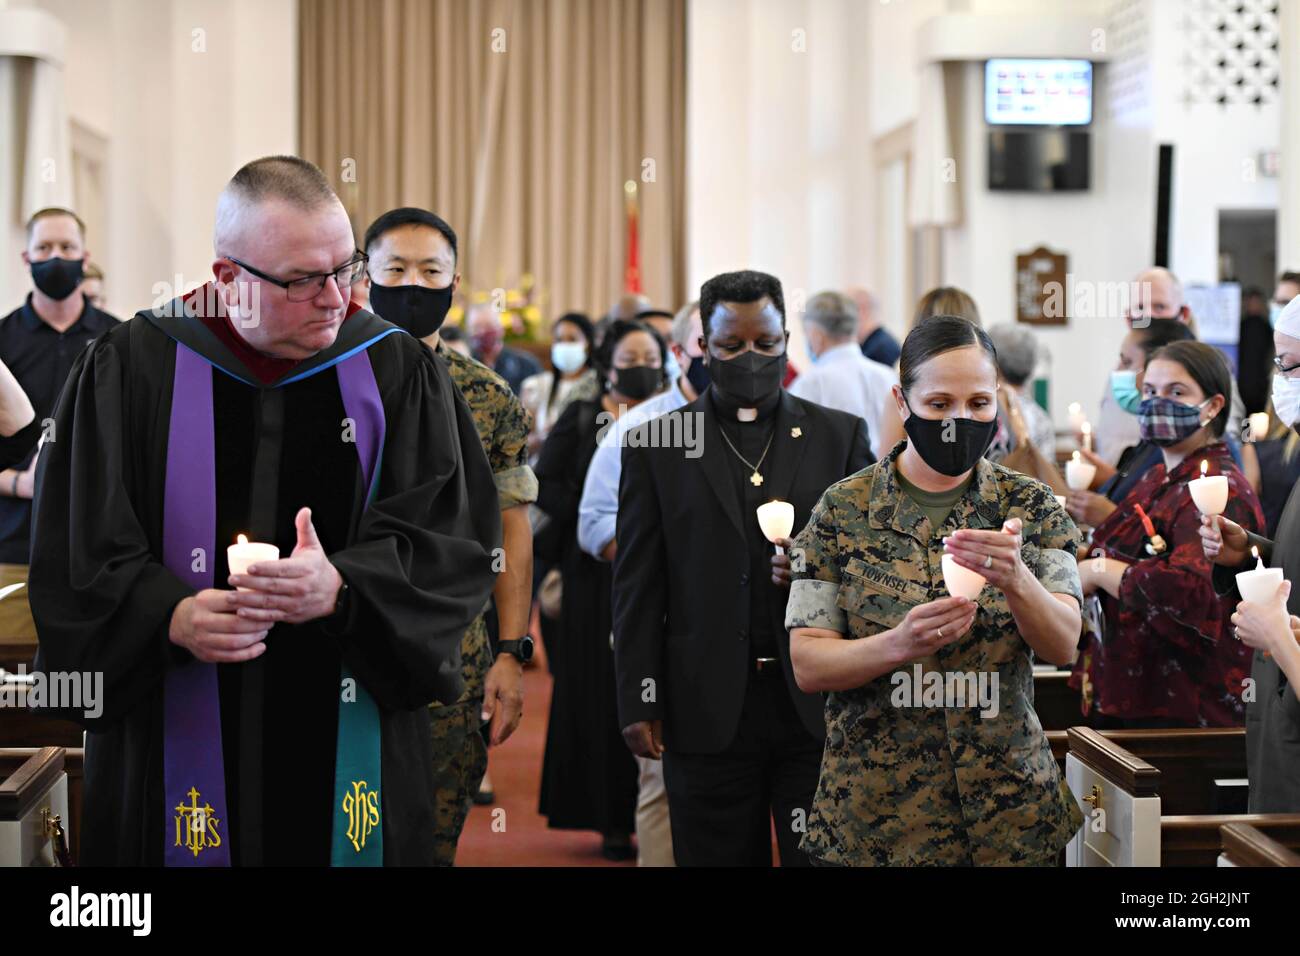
x: 413, y: 276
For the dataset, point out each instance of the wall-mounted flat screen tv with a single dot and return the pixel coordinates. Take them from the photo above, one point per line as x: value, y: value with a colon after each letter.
x: 1038, y: 92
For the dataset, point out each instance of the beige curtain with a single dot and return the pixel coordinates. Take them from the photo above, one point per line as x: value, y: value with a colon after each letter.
x: 517, y: 121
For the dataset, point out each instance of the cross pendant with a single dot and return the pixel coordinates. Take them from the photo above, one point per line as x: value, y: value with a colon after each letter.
x: 755, y: 479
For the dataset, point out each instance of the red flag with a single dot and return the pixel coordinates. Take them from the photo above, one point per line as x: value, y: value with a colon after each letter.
x: 632, y: 268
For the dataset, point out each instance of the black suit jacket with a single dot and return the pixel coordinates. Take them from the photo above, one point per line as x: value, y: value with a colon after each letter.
x: 681, y: 574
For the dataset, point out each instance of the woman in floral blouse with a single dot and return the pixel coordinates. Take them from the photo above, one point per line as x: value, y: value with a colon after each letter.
x: 1165, y: 654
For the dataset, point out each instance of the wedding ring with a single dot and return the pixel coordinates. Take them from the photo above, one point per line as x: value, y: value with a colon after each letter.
x: 941, y: 632
x: 988, y: 561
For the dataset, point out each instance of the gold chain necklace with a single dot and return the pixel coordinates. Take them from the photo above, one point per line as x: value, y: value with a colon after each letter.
x: 755, y: 479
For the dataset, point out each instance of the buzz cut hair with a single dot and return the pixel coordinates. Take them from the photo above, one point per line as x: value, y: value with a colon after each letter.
x: 290, y: 179
x: 49, y: 212
x: 408, y: 216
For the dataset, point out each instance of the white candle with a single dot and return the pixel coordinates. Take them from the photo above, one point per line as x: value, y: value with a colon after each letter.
x: 1086, y: 428
x: 1076, y: 416
x: 1259, y: 586
x: 1210, y: 492
x: 776, y: 518
x: 245, y: 553
x: 960, y: 582
x: 1079, y: 473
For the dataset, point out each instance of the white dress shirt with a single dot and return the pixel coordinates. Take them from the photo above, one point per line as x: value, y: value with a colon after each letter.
x: 845, y: 379
x: 598, y: 510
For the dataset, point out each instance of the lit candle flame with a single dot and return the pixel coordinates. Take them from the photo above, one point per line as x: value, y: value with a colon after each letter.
x: 243, y: 539
x: 1076, y: 456
x: 1205, y: 466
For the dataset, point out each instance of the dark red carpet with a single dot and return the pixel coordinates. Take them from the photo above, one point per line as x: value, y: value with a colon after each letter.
x: 513, y: 833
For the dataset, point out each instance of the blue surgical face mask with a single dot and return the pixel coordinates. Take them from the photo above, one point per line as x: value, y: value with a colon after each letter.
x: 568, y: 357
x: 672, y: 368
x: 1123, y: 388
x: 1274, y: 310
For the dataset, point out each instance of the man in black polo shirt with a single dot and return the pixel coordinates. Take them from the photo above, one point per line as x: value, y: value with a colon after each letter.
x: 39, y: 342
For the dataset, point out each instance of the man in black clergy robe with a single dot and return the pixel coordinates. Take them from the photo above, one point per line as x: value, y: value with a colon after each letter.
x: 702, y: 657
x: 382, y: 588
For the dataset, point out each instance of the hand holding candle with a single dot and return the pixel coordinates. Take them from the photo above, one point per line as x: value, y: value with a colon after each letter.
x: 244, y: 553
x: 1260, y: 584
x: 1261, y: 621
x: 776, y: 518
x: 973, y: 557
x: 1209, y: 492
x: 1079, y: 473
x: 302, y: 587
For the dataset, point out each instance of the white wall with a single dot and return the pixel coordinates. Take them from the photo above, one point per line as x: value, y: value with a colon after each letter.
x: 181, y: 110
x: 894, y: 76
x: 1109, y: 231
x: 1106, y: 232
x: 778, y: 145
x: 1215, y: 151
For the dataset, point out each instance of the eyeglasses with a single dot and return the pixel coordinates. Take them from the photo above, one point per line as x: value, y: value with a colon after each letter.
x: 1285, y: 369
x: 306, y: 288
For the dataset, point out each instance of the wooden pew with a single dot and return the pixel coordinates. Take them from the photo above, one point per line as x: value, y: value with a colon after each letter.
x: 1157, y: 790
x: 37, y: 760
x: 33, y: 790
x: 1188, y: 760
x: 22, y: 727
x: 17, y: 629
x: 1245, y: 844
x: 1056, y: 703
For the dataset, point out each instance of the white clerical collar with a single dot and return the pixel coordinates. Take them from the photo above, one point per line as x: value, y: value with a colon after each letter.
x: 747, y: 414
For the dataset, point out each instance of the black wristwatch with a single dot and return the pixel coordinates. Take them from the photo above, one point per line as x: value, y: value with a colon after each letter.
x: 521, y: 650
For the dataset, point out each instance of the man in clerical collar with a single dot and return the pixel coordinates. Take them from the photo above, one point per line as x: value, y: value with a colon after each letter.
x: 262, y: 710
x: 702, y: 657
x: 413, y: 276
x: 39, y: 342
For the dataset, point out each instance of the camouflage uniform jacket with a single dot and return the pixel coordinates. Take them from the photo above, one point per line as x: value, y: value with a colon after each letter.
x: 503, y: 425
x: 904, y: 784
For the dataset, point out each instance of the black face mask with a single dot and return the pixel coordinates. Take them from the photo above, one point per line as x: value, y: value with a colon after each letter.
x: 415, y: 308
x: 748, y: 380
x: 950, y: 449
x: 57, y: 278
x: 698, y: 374
x: 638, y: 381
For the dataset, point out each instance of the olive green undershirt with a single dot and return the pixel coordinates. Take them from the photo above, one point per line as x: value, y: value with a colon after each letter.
x: 937, y: 505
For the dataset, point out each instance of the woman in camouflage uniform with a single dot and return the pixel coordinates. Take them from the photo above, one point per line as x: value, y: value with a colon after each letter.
x: 934, y: 754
